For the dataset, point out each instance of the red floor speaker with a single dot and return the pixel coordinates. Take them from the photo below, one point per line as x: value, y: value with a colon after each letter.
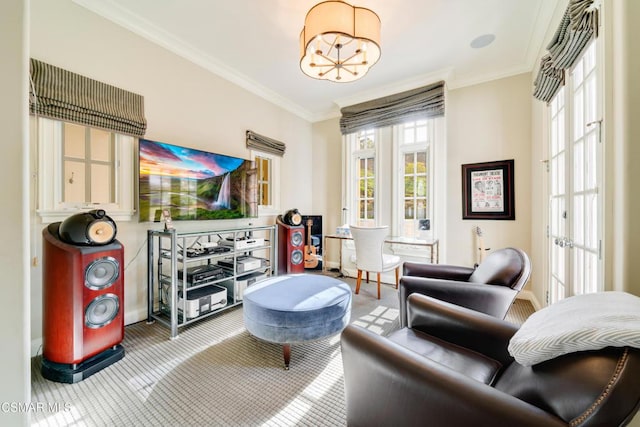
x: 290, y: 248
x: 83, y: 301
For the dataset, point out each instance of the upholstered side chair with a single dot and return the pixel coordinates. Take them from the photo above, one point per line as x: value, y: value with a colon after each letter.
x: 490, y: 288
x: 369, y: 243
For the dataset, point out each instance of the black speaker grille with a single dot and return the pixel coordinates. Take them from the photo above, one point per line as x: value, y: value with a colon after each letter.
x: 296, y: 238
x: 101, y: 273
x: 296, y: 257
x: 101, y: 311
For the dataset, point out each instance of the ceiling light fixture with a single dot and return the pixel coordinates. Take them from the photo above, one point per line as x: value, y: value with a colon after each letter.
x: 339, y: 42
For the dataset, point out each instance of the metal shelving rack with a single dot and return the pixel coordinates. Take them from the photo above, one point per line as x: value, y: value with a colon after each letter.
x: 167, y: 257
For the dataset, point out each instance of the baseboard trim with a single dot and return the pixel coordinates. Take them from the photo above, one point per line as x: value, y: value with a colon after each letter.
x: 529, y: 296
x: 36, y: 347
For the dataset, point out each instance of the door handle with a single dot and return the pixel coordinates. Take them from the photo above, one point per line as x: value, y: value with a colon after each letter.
x: 563, y: 242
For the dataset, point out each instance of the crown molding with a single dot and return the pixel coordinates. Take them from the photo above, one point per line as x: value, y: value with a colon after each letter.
x: 115, y: 13
x: 140, y: 26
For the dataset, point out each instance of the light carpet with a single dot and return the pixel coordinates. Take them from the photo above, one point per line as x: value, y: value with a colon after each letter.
x: 216, y: 374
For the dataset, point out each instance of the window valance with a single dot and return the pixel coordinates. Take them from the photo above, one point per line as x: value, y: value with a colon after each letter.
x: 578, y: 27
x: 427, y: 101
x: 63, y: 95
x: 262, y: 143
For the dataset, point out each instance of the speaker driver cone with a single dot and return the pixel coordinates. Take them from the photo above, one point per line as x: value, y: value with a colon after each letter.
x: 101, y: 311
x: 296, y: 257
x: 296, y: 238
x: 101, y: 273
x: 101, y: 232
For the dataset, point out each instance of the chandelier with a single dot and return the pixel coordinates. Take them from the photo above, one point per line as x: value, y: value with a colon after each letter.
x: 339, y: 42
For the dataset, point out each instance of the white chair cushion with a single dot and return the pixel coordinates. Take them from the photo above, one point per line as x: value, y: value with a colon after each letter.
x: 579, y: 323
x: 390, y: 262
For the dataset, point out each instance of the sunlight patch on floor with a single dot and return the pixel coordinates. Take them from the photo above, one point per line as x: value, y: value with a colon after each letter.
x: 377, y: 319
x: 294, y: 412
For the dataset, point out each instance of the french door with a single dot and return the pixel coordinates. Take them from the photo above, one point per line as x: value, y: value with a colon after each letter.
x: 575, y: 179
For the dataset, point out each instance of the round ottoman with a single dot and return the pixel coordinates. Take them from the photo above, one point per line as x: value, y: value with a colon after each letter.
x: 296, y: 308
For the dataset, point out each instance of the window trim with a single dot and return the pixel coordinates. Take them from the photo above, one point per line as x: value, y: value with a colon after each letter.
x: 274, y: 208
x: 350, y: 181
x: 399, y: 150
x: 48, y: 139
x: 437, y: 177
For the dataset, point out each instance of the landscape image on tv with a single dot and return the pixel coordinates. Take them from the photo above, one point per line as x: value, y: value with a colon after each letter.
x: 194, y: 184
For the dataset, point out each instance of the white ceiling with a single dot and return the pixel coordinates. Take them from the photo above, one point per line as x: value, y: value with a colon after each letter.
x: 254, y: 43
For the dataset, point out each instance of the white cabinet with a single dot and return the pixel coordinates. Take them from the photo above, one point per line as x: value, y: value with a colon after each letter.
x: 193, y: 275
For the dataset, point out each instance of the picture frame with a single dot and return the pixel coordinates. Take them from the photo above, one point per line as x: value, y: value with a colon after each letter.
x: 488, y: 190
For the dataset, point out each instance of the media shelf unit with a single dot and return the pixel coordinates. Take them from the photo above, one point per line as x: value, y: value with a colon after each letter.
x: 188, y: 271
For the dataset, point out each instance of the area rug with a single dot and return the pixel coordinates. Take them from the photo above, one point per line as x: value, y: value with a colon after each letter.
x: 213, y: 374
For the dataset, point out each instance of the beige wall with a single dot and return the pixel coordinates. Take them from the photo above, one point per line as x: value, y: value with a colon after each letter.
x: 327, y: 173
x: 184, y: 105
x: 622, y: 136
x: 487, y: 122
x: 14, y: 256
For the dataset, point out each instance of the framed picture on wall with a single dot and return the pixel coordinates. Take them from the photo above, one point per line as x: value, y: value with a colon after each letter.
x: 487, y: 190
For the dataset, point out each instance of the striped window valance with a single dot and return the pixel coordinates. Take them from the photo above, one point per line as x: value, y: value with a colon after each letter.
x: 427, y: 101
x: 63, y: 95
x: 262, y: 143
x: 578, y: 27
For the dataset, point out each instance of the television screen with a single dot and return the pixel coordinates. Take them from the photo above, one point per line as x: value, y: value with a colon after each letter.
x: 194, y: 184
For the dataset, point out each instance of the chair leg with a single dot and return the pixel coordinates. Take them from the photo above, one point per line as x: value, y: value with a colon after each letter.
x: 378, y: 285
x: 397, y: 276
x: 367, y: 277
x: 358, y: 281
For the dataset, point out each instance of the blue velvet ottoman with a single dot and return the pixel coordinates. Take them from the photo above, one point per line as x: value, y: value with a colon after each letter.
x: 296, y: 308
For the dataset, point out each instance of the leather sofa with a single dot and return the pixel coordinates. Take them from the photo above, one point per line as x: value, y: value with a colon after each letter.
x: 451, y: 367
x: 490, y: 288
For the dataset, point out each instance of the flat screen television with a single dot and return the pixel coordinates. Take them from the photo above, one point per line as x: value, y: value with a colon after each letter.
x: 194, y: 184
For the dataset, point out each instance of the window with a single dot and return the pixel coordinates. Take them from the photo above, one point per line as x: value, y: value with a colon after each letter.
x: 80, y: 167
x: 389, y: 179
x: 89, y: 165
x: 414, y: 166
x: 362, y: 186
x: 268, y: 171
x: 264, y: 180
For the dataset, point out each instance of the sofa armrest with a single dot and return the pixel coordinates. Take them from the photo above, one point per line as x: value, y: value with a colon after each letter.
x: 488, y: 299
x: 388, y: 385
x: 437, y: 271
x: 467, y: 328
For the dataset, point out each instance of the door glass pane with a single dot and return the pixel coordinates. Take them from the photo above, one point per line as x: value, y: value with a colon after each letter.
x: 578, y: 116
x: 578, y: 219
x: 578, y: 166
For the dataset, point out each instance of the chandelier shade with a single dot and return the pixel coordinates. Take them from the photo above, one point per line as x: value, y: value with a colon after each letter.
x: 339, y: 42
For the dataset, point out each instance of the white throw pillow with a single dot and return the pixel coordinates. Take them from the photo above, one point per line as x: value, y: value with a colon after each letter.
x: 579, y: 323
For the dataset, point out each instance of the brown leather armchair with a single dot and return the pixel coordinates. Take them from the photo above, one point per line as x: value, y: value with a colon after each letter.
x: 451, y: 367
x: 508, y: 269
